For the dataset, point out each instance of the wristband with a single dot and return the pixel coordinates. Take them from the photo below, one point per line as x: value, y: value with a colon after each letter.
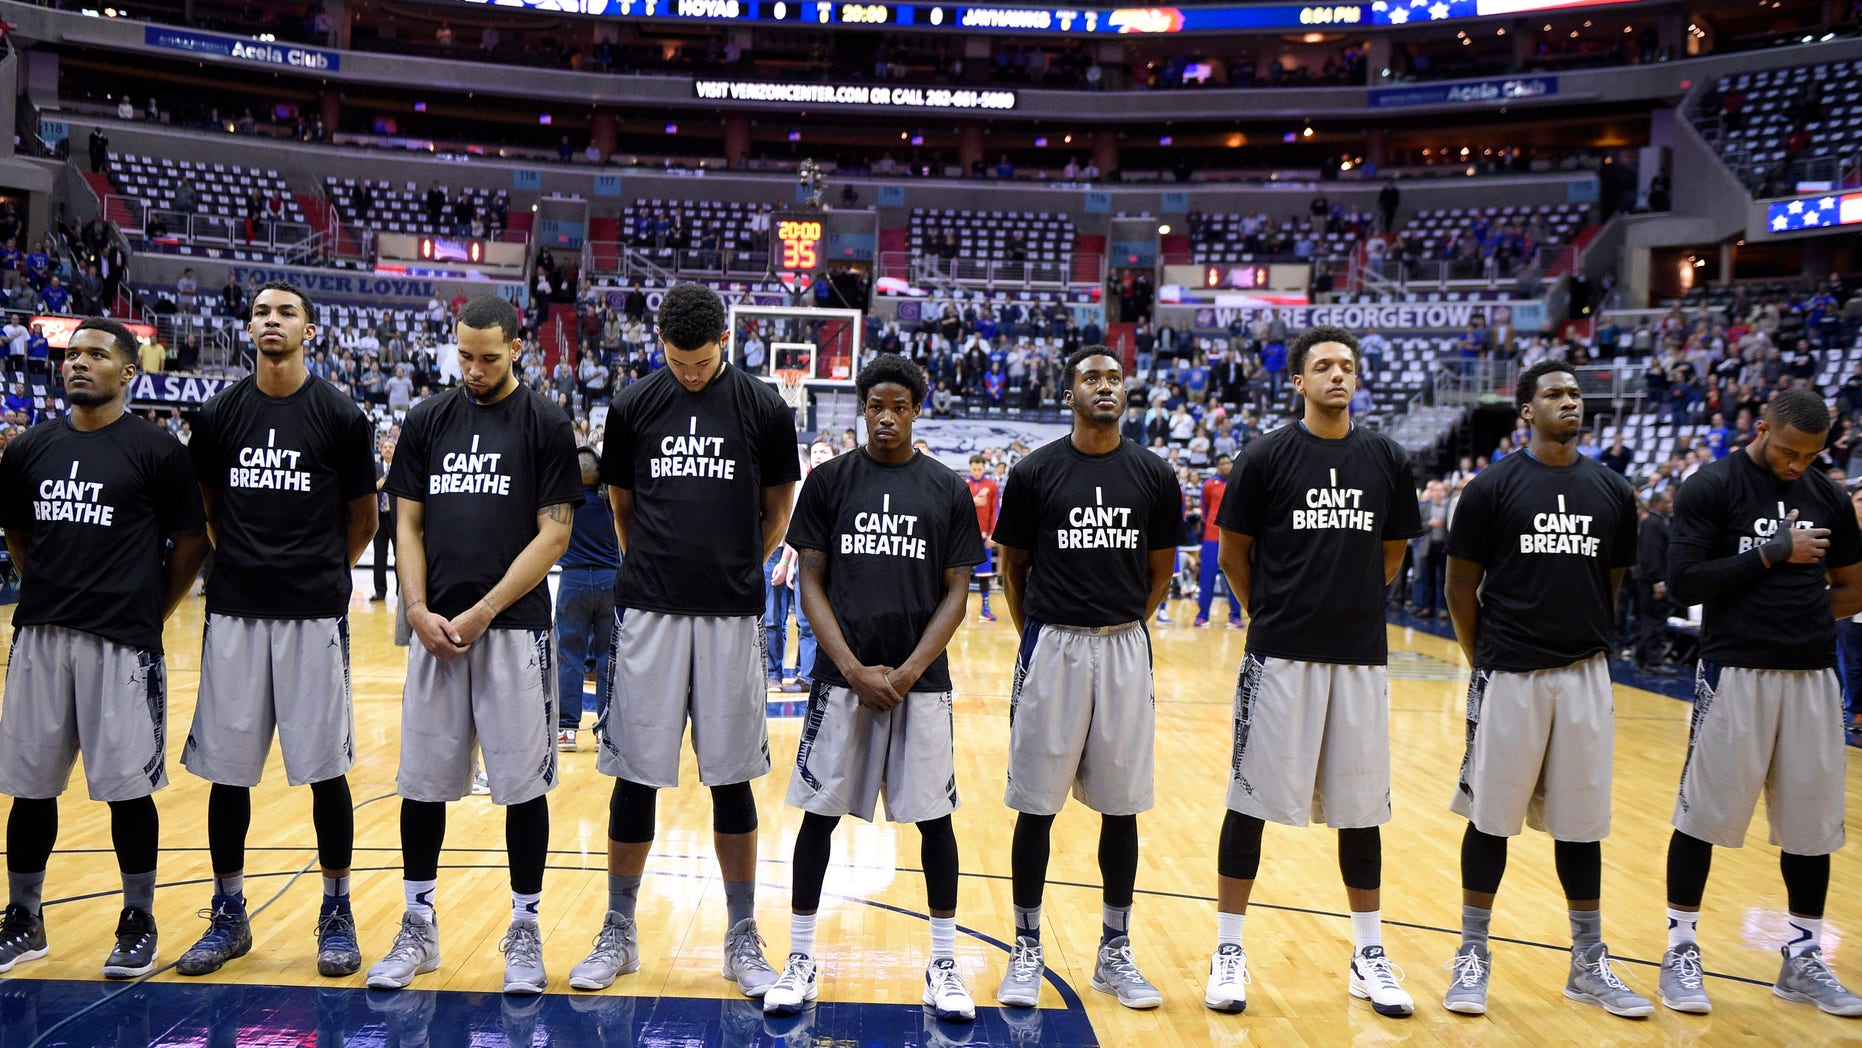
x: 411, y: 605
x: 1778, y: 550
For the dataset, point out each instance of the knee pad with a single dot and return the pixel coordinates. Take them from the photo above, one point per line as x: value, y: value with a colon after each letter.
x: 1361, y: 858
x: 631, y: 812
x: 1239, y: 853
x: 733, y: 808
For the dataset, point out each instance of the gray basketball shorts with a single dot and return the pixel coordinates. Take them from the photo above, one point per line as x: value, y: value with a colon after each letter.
x: 257, y: 674
x: 1772, y: 732
x: 66, y: 691
x: 502, y: 693
x: 849, y: 756
x: 669, y: 669
x: 1312, y: 740
x: 1082, y: 717
x: 1539, y: 751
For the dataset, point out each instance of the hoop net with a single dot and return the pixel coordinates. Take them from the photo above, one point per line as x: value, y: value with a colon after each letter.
x: 793, y: 385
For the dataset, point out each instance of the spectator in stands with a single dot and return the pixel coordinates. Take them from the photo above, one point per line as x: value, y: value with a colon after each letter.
x: 400, y: 390
x: 1651, y: 577
x: 88, y: 290
x: 153, y: 359
x: 1388, y: 198
x: 1619, y: 455
x: 1004, y: 170
x: 187, y: 290
x: 435, y: 202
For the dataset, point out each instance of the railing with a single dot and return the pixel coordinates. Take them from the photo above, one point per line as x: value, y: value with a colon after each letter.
x: 975, y: 272
x: 199, y: 228
x: 620, y: 260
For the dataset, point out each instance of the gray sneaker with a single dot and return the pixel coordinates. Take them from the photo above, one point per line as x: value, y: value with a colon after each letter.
x: 1594, y: 981
x: 1807, y: 980
x: 1021, y: 986
x: 1116, y: 972
x: 744, y: 960
x: 416, y: 950
x: 523, y: 959
x: 1680, y: 987
x: 616, y: 953
x: 1467, y: 985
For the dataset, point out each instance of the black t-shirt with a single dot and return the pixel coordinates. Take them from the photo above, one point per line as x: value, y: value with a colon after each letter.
x: 1548, y: 537
x: 97, y: 508
x: 889, y: 533
x: 1781, y: 620
x: 1320, y: 512
x: 697, y: 464
x: 484, y: 472
x: 284, y: 468
x: 1091, y: 522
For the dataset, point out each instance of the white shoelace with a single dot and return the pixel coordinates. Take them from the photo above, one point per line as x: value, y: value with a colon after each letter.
x: 1384, y: 970
x: 1687, y: 969
x: 747, y: 952
x: 408, y: 945
x: 1469, y: 969
x: 946, y: 981
x: 1026, y: 964
x: 522, y: 945
x: 1232, y: 967
x: 1811, y: 966
x: 1605, y: 966
x: 1121, y: 963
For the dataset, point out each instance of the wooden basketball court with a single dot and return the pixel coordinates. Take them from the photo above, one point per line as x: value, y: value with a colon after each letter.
x: 872, y: 939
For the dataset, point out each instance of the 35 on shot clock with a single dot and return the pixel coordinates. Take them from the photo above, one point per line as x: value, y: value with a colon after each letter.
x: 798, y: 244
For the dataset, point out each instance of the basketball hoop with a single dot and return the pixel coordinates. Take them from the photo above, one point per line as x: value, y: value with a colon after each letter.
x: 793, y: 386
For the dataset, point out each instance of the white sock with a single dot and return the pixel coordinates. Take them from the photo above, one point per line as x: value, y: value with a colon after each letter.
x: 1681, y: 926
x: 1806, y: 934
x: 943, y: 938
x: 802, y: 934
x: 1367, y: 928
x: 420, y: 898
x: 524, y: 906
x: 1228, y: 928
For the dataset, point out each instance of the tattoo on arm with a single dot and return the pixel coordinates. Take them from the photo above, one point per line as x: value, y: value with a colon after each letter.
x: 813, y: 560
x: 562, y: 513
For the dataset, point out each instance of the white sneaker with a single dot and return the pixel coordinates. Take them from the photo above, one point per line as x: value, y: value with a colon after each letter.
x: 794, y: 988
x: 945, y: 993
x: 1375, y: 979
x: 481, y: 784
x: 1228, y: 979
x: 565, y: 740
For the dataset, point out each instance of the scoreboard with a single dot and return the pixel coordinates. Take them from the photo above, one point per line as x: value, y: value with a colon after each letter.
x: 811, y: 241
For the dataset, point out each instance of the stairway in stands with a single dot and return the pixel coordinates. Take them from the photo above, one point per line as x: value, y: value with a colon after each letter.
x: 116, y: 208
x: 895, y: 253
x: 604, y: 244
x: 1089, y: 253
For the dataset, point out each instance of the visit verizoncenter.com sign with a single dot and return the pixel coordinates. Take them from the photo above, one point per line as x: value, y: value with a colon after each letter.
x: 852, y: 95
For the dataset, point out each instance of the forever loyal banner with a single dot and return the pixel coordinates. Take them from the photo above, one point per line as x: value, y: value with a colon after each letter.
x: 242, y: 49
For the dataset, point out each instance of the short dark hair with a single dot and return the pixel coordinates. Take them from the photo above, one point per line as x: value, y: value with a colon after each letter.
x: 975, y: 458
x: 489, y: 310
x: 690, y: 315
x: 1528, y: 386
x: 890, y: 367
x: 1802, y: 409
x: 1224, y: 457
x: 1094, y: 350
x: 121, y: 337
x: 1312, y: 336
x: 310, y: 308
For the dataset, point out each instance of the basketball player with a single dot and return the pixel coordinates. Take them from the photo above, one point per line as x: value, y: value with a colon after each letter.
x: 486, y: 479
x: 88, y: 502
x: 1209, y: 569
x: 887, y: 539
x: 1314, y: 530
x: 987, y: 497
x: 1770, y: 547
x: 286, y: 463
x: 1536, y: 557
x: 585, y: 599
x: 701, y: 465
x: 1088, y: 533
